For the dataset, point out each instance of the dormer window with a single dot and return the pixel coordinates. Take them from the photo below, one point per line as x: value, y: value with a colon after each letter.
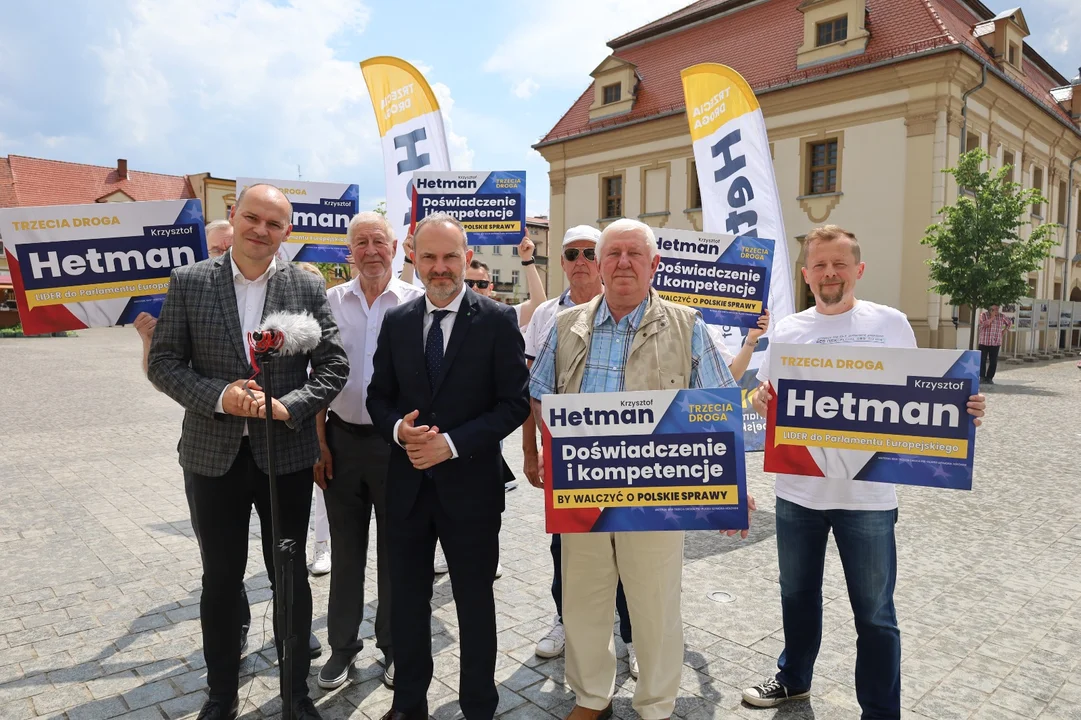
x: 1004, y: 35
x: 615, y: 85
x: 831, y: 31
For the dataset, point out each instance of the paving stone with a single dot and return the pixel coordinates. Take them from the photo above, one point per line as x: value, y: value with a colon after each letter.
x: 99, y: 616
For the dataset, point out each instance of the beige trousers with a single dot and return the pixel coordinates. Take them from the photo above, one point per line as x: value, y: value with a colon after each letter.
x: 651, y: 567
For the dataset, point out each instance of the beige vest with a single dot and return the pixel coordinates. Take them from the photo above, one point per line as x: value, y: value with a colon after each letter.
x: 660, y: 356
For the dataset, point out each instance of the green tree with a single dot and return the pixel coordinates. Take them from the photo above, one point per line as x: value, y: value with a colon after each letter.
x: 980, y: 258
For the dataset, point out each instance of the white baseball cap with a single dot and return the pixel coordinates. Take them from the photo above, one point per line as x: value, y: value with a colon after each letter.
x: 582, y: 232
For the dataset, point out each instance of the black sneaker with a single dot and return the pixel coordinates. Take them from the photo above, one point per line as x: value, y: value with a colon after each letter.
x: 315, y: 649
x: 388, y: 674
x: 336, y: 671
x: 771, y: 694
x: 218, y: 710
x: 304, y: 709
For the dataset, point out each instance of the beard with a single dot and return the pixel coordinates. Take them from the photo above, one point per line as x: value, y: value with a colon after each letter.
x: 442, y: 291
x: 831, y: 294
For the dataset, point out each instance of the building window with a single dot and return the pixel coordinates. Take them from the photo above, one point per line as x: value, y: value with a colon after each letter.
x: 696, y: 189
x: 514, y: 250
x: 1007, y: 161
x: 1, y: 248
x: 823, y: 173
x: 514, y: 278
x: 1062, y: 193
x: 497, y: 249
x: 1011, y: 55
x: 972, y: 142
x: 831, y: 31
x: 495, y: 275
x: 1037, y: 184
x: 478, y: 250
x: 612, y: 93
x: 613, y: 196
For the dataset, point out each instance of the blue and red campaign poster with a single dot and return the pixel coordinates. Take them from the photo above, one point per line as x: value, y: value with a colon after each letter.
x: 658, y: 460
x: 873, y: 414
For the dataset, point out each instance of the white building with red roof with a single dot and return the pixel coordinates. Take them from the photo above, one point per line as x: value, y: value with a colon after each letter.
x: 865, y: 103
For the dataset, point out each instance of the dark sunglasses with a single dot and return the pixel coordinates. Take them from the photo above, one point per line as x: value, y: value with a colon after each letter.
x: 572, y: 254
x: 482, y: 284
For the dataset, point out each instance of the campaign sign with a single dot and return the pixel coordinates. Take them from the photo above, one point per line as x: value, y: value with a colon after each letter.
x: 490, y: 205
x: 80, y: 266
x: 875, y: 414
x: 321, y: 215
x: 657, y: 460
x: 724, y: 277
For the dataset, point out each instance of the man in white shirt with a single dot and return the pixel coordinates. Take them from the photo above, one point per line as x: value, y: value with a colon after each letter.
x: 860, y: 514
x: 355, y: 456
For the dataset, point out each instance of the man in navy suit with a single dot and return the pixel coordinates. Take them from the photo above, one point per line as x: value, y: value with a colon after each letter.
x: 449, y: 384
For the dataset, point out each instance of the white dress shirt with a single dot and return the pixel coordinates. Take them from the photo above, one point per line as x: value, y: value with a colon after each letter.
x: 359, y: 325
x: 250, y: 299
x: 447, y: 324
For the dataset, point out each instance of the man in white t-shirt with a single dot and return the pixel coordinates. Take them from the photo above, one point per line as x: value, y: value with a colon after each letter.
x: 861, y: 514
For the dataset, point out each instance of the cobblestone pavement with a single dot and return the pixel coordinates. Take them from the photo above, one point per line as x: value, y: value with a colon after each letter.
x: 99, y: 574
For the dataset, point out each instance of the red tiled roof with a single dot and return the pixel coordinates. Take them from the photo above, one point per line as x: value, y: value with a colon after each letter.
x: 761, y: 41
x: 35, y: 181
x: 537, y: 220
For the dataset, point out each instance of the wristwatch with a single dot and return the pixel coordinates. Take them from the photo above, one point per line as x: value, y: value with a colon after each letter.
x: 528, y: 262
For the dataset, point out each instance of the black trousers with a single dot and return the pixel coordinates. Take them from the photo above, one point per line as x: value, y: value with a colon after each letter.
x: 359, y: 485
x: 471, y: 546
x: 988, y: 361
x: 244, y: 608
x: 223, y: 505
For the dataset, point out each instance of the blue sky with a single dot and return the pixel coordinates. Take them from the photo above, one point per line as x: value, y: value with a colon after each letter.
x: 259, y: 87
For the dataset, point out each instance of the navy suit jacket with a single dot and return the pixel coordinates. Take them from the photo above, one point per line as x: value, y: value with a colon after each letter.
x: 478, y: 399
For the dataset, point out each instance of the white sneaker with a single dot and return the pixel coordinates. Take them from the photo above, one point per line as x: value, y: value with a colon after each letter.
x: 321, y: 559
x: 440, y: 561
x: 498, y: 570
x: 552, y: 644
x: 632, y: 660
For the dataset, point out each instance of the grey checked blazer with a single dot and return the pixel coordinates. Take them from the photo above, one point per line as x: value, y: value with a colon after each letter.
x: 197, y: 351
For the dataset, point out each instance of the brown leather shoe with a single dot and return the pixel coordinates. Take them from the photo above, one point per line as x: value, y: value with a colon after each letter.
x: 581, y: 713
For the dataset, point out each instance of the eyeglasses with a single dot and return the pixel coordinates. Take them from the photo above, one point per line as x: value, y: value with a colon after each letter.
x: 572, y: 254
x: 482, y: 284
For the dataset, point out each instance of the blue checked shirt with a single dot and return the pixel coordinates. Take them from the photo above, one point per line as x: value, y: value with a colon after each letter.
x: 608, y: 351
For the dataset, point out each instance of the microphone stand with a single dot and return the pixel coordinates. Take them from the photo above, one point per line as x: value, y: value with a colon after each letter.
x: 284, y: 549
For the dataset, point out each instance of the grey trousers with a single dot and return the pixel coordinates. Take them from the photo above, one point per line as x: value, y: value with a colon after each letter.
x: 358, y: 486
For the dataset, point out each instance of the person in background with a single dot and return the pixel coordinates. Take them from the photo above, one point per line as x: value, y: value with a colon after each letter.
x: 992, y: 329
x: 353, y: 467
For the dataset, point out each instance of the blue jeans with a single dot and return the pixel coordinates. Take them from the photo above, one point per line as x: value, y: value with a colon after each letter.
x: 557, y: 592
x: 865, y: 540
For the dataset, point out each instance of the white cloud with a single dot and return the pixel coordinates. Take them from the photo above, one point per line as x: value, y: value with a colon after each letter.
x: 547, y: 49
x: 525, y: 88
x: 241, y: 74
x: 461, y: 155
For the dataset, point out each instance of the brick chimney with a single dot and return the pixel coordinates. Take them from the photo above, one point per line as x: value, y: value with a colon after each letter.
x: 122, y: 168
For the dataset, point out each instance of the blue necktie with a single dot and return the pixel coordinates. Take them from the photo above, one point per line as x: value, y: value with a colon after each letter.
x: 433, y: 347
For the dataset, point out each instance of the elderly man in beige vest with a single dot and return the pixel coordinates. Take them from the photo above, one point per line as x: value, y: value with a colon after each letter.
x: 626, y: 339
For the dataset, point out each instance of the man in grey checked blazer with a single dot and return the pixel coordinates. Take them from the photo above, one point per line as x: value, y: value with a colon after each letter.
x: 199, y: 357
